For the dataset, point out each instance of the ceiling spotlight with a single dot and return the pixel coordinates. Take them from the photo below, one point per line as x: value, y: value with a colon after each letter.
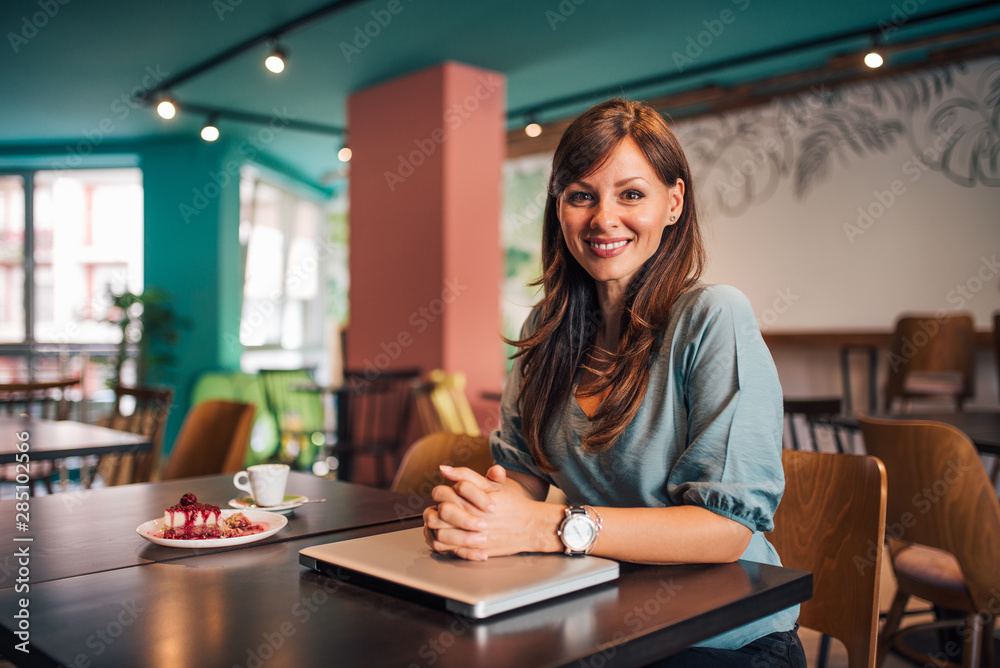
x: 166, y: 109
x: 345, y: 154
x: 210, y: 132
x: 873, y: 58
x: 532, y: 128
x: 276, y: 61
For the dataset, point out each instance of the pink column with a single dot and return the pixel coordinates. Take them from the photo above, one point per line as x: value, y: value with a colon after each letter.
x: 425, y: 255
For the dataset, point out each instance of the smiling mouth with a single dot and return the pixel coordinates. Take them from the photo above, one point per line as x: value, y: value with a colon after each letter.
x: 608, y: 249
x: 609, y: 246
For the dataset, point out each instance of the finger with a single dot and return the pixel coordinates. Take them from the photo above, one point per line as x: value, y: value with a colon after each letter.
x: 497, y: 474
x: 454, y: 539
x: 460, y: 518
x: 477, y: 497
x: 471, y: 554
x: 463, y: 473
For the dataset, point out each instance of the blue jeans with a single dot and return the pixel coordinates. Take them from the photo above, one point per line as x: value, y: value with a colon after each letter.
x: 777, y: 650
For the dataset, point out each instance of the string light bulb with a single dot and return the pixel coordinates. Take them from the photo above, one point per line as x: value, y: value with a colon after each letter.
x: 275, y: 62
x: 345, y: 154
x: 873, y: 58
x: 532, y: 128
x: 211, y: 131
x: 166, y: 109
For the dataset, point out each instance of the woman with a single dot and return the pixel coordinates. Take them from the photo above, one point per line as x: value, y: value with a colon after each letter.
x: 637, y: 390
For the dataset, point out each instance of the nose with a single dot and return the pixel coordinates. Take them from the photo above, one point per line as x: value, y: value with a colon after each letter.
x: 603, y: 216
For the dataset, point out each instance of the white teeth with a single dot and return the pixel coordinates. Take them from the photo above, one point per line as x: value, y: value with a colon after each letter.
x: 617, y: 244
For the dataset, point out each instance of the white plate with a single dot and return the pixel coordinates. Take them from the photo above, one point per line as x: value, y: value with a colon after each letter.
x: 289, y: 503
x: 153, y: 529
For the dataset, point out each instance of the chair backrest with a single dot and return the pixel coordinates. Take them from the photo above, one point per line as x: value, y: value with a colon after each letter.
x: 831, y: 521
x: 996, y: 341
x: 374, y: 409
x: 932, y: 357
x: 442, y: 404
x: 213, y: 439
x: 294, y: 408
x: 148, y: 409
x: 49, y: 399
x: 815, y: 412
x: 418, y: 473
x: 940, y: 496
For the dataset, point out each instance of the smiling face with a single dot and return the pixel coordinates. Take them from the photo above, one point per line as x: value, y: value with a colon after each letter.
x: 612, y: 219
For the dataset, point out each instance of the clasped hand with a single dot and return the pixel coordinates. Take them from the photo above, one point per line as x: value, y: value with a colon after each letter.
x: 479, y: 516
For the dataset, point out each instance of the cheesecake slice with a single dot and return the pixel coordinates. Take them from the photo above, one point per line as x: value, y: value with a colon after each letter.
x: 190, y: 519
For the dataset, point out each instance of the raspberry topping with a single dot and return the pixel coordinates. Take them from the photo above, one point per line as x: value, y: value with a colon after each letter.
x: 189, y: 499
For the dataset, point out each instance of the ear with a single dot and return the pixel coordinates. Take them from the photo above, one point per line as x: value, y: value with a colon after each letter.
x: 676, y: 201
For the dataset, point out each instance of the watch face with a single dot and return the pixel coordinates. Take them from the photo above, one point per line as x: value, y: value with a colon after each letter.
x: 578, y: 532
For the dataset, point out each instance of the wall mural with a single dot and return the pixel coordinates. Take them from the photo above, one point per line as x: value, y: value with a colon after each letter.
x: 948, y: 117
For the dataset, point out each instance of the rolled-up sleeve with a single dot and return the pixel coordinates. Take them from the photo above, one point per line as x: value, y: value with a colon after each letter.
x: 731, y: 463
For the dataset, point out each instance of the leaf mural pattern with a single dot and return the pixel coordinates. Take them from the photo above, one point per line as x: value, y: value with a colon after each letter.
x: 950, y: 116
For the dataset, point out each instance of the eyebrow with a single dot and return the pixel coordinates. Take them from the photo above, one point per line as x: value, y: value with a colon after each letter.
x: 618, y: 184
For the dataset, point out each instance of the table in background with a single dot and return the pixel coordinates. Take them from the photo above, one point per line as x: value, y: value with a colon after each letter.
x: 257, y: 606
x: 982, y: 427
x: 50, y: 439
x: 77, y: 533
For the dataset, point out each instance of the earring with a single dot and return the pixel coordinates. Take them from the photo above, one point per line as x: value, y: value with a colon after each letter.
x: 673, y: 219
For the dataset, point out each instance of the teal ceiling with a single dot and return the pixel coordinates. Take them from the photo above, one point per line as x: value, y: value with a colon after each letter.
x: 67, y: 75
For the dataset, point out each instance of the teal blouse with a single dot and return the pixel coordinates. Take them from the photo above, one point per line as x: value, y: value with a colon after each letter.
x: 708, y: 433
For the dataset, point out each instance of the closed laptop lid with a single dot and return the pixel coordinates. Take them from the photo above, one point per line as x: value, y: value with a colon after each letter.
x: 401, y: 563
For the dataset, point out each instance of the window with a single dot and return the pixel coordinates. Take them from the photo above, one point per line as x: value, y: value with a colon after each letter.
x: 288, y: 255
x: 67, y: 238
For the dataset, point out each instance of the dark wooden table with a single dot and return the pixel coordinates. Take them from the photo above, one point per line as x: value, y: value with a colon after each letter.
x: 982, y: 427
x: 77, y: 533
x: 50, y: 439
x: 258, y: 607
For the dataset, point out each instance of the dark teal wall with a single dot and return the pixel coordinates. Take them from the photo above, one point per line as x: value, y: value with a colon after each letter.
x: 192, y: 250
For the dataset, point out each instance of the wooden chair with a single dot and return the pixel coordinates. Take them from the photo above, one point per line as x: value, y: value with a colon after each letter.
x: 373, y: 420
x: 442, y: 404
x: 418, y: 473
x: 213, y: 439
x: 932, y: 357
x: 297, y: 412
x: 147, y: 416
x: 944, y: 532
x: 831, y: 521
x: 49, y: 400
x: 816, y: 413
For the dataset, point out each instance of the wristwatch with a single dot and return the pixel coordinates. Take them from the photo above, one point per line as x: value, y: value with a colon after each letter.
x: 578, y: 532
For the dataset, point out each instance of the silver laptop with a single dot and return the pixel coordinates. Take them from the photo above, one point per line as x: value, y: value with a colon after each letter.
x: 400, y: 563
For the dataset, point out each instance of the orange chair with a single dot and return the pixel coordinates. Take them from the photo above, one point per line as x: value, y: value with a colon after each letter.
x: 831, y: 521
x: 945, y: 534
x: 418, y: 473
x: 213, y: 439
x: 932, y: 357
x: 146, y: 416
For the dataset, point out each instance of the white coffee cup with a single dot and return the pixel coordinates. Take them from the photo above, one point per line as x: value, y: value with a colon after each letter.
x: 266, y: 483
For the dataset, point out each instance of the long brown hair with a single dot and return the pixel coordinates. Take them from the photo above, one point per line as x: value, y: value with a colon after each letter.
x: 569, y: 313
